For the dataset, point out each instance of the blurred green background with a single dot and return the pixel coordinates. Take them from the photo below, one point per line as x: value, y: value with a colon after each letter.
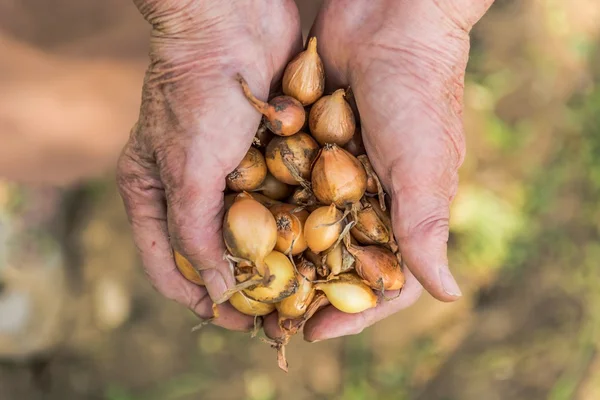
x: 524, y: 246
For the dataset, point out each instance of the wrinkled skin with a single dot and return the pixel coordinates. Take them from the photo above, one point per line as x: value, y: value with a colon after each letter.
x: 406, y: 63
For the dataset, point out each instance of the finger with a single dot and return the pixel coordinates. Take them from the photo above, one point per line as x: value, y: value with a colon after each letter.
x: 144, y: 202
x: 422, y: 181
x: 193, y: 170
x: 271, y: 326
x: 330, y: 323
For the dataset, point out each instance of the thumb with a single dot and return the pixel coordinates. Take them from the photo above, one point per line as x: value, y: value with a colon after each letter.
x: 422, y: 188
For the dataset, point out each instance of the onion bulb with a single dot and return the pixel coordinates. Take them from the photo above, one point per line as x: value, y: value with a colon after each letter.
x: 262, y: 137
x: 303, y: 197
x: 249, y: 230
x: 289, y: 159
x: 338, y: 177
x: 295, y: 306
x: 370, y: 227
x: 283, y: 284
x: 283, y: 115
x: 290, y: 228
x: 355, y: 146
x: 248, y: 306
x: 273, y: 188
x: 186, y: 269
x: 331, y: 120
x: 323, y: 227
x: 348, y: 293
x: 373, y: 182
x: 249, y: 174
x: 304, y: 76
x: 228, y: 200
x: 338, y: 260
x: 378, y: 266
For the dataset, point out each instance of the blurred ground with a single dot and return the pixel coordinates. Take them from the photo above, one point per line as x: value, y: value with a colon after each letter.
x: 524, y: 241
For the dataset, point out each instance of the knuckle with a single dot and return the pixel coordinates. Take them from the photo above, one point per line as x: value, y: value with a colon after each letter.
x: 420, y: 213
x: 170, y: 16
x: 434, y: 224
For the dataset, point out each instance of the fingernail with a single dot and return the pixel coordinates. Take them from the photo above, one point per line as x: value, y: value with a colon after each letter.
x: 216, y: 285
x: 448, y: 283
x: 315, y: 341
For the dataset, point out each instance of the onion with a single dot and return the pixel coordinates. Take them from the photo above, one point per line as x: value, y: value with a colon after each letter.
x: 262, y: 199
x: 331, y: 120
x: 378, y: 266
x: 338, y: 260
x: 273, y: 188
x: 249, y: 174
x: 373, y: 182
x: 283, y: 284
x: 228, y: 200
x: 348, y: 293
x: 248, y: 306
x: 289, y: 159
x: 323, y: 228
x: 262, y: 137
x: 303, y: 197
x: 338, y: 177
x: 304, y: 76
x: 186, y: 269
x: 283, y: 115
x: 370, y: 228
x: 355, y: 146
x: 290, y: 228
x: 296, y: 305
x: 249, y: 231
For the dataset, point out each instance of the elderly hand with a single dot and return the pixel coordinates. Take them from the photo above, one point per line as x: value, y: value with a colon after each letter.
x: 405, y: 61
x: 195, y: 126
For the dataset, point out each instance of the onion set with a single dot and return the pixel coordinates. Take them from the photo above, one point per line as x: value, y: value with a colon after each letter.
x: 283, y: 115
x: 306, y: 221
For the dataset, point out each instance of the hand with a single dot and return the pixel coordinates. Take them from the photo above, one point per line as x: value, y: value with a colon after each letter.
x: 405, y: 62
x: 194, y: 127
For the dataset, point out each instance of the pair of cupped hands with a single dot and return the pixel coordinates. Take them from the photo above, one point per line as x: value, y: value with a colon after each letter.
x: 405, y: 62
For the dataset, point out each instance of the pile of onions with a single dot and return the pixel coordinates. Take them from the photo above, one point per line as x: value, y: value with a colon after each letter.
x: 305, y: 223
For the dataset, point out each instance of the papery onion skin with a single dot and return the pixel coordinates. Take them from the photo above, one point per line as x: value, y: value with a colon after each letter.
x: 250, y: 307
x: 249, y: 230
x: 263, y: 136
x: 320, y: 237
x: 378, y: 266
x: 287, y: 118
x: 228, y: 200
x: 283, y: 285
x: 304, y: 76
x: 338, y: 177
x: 264, y: 200
x: 290, y: 231
x: 273, y: 188
x: 371, y: 177
x: 355, y: 146
x: 249, y: 174
x: 295, y: 305
x: 299, y: 149
x: 334, y: 259
x: 331, y: 120
x: 303, y: 197
x: 348, y: 293
x: 186, y: 269
x: 369, y: 228
x: 283, y: 115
